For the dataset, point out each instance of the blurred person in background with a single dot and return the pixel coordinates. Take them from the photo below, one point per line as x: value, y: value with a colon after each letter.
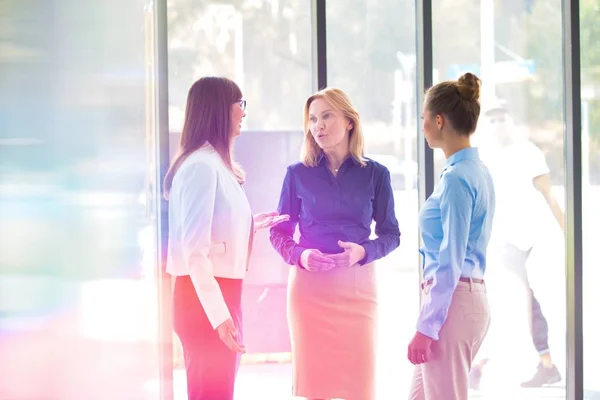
x: 523, y: 186
x: 211, y: 230
x: 455, y: 223
x: 334, y: 195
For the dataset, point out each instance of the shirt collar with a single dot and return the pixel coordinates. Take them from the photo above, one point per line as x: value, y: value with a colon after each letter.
x: 322, y: 159
x: 470, y: 153
x: 207, y: 147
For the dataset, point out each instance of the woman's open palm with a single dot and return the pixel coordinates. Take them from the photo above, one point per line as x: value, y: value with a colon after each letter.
x: 268, y: 220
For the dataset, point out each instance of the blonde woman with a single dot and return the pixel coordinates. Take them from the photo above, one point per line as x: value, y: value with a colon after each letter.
x: 334, y: 194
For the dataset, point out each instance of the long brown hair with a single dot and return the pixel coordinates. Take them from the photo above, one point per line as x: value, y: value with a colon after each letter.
x: 207, y: 120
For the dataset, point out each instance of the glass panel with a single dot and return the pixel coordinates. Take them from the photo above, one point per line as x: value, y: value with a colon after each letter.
x: 515, y: 48
x: 590, y: 107
x: 371, y: 55
x: 77, y: 270
x: 266, y: 47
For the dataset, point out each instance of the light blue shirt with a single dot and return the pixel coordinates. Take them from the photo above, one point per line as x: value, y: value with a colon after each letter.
x: 455, y: 223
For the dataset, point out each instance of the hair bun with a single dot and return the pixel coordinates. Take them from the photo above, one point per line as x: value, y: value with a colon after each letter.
x: 468, y: 86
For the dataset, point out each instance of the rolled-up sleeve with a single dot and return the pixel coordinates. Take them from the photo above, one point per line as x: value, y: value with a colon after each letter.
x: 456, y: 206
x: 282, y: 235
x: 198, y: 183
x: 386, y: 224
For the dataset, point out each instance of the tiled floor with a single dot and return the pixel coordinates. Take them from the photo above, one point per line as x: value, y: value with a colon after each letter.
x: 273, y: 382
x: 510, y: 347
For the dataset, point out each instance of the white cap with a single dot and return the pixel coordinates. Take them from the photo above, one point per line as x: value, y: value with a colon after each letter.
x: 494, y: 104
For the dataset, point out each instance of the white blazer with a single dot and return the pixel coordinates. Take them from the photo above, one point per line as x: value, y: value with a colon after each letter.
x: 210, y: 228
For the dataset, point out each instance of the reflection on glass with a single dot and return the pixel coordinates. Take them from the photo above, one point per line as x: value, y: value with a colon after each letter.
x: 371, y: 56
x: 77, y: 289
x: 590, y: 107
x: 515, y: 48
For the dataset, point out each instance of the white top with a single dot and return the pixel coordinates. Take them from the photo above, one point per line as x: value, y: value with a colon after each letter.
x: 519, y: 205
x: 210, y: 225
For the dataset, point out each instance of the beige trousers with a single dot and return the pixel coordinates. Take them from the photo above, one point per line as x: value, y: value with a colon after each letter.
x: 446, y: 375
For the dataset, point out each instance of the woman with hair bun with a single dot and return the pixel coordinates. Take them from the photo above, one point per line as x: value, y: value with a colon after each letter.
x: 455, y: 224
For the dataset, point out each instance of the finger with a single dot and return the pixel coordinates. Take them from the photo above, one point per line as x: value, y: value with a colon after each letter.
x: 232, y: 329
x: 227, y: 340
x: 417, y: 357
x: 234, y: 343
x: 339, y: 256
x: 427, y: 356
x: 319, y: 266
x: 341, y: 259
x: 320, y: 258
x: 318, y: 261
x: 345, y: 245
x: 325, y: 268
x: 277, y: 220
x: 274, y: 221
x: 342, y: 263
x: 421, y: 357
x: 414, y: 356
x: 234, y: 346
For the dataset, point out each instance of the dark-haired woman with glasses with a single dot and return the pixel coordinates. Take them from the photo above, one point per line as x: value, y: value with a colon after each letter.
x: 211, y: 231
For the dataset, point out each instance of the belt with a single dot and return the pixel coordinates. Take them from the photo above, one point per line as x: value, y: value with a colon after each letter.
x: 429, y: 281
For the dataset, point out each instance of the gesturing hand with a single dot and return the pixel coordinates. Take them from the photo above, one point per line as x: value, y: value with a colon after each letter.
x: 268, y: 220
x: 230, y: 336
x: 314, y: 260
x: 352, y: 254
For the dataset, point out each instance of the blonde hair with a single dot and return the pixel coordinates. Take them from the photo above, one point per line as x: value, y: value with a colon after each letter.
x: 340, y: 101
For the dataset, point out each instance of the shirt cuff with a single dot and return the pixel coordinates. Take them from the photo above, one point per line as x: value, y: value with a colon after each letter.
x: 431, y: 332
x: 369, y: 251
x: 217, y: 313
x: 297, y: 254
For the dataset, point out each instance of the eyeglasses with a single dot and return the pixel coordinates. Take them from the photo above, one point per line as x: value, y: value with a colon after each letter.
x: 242, y: 104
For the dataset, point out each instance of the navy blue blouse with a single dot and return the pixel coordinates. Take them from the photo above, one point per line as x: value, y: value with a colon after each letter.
x: 329, y: 208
